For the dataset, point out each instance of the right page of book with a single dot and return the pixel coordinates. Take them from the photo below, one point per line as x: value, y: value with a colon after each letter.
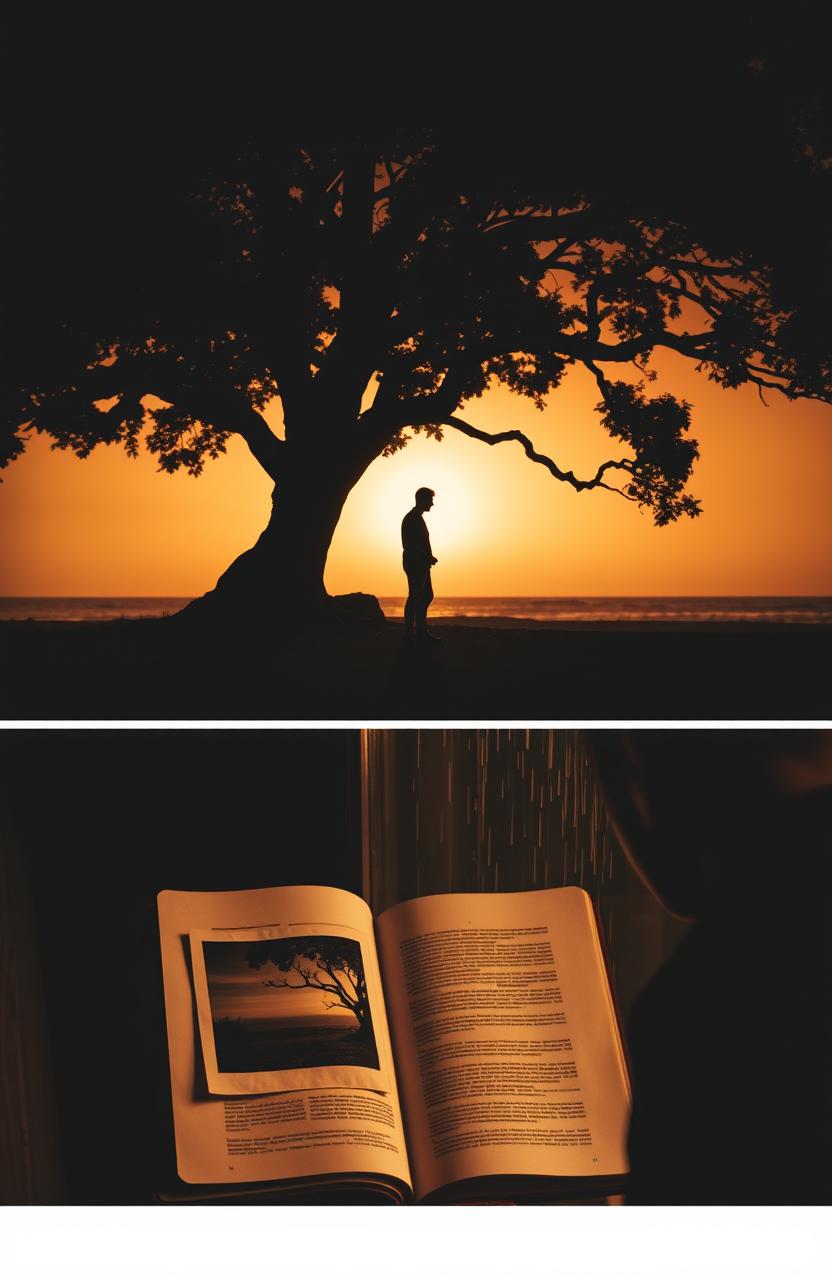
x: 507, y: 1047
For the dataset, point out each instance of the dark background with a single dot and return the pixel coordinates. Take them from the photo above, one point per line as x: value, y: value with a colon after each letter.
x: 93, y: 823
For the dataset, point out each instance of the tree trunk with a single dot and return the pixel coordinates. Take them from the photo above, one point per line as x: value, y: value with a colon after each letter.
x: 282, y: 576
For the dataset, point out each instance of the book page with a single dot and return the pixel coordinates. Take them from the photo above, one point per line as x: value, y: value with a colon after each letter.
x: 279, y: 990
x: 508, y: 1053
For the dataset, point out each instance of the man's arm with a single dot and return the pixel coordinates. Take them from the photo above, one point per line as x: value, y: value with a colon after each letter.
x: 428, y: 549
x: 411, y: 539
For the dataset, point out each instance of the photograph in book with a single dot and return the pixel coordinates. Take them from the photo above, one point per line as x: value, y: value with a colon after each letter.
x: 281, y: 1004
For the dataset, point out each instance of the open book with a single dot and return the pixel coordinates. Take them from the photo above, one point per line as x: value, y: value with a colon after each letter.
x: 459, y: 1047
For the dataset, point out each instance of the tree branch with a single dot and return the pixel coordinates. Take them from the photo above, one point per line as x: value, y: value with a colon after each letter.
x: 135, y: 377
x: 309, y: 979
x: 345, y: 363
x: 577, y: 224
x: 500, y: 437
x: 261, y: 440
x: 348, y: 975
x: 341, y: 990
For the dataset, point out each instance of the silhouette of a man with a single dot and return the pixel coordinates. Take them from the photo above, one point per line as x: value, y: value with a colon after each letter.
x: 417, y: 558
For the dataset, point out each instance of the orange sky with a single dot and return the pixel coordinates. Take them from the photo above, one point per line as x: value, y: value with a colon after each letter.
x: 501, y: 525
x: 240, y: 992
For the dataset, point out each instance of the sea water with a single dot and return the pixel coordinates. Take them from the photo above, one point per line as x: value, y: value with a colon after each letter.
x: 552, y: 609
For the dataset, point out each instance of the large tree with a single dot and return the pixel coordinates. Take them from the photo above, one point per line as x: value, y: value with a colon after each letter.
x: 378, y: 275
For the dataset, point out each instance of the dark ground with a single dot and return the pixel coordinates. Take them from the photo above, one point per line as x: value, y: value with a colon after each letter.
x: 172, y: 669
x: 244, y: 1046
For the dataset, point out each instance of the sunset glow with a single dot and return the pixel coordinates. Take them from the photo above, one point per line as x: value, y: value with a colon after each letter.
x: 500, y: 525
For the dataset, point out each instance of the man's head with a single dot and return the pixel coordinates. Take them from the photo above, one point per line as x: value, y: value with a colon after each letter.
x: 424, y: 499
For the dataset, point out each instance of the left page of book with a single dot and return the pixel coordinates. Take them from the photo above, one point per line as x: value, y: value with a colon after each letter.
x: 280, y: 1055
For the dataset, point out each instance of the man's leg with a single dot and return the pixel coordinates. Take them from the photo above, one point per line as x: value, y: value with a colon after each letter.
x: 424, y: 601
x: 411, y: 604
x: 427, y: 597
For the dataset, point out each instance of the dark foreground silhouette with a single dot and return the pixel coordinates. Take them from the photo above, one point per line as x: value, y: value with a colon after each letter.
x: 262, y: 1045
x: 352, y: 669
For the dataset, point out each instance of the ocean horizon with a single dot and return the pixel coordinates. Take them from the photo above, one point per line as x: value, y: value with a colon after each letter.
x: 553, y: 609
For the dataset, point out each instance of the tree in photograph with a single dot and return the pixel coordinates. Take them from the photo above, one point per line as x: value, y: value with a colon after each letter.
x: 330, y: 965
x: 375, y: 281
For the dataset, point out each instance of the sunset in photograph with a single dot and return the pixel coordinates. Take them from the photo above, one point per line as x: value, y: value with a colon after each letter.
x: 289, y: 1003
